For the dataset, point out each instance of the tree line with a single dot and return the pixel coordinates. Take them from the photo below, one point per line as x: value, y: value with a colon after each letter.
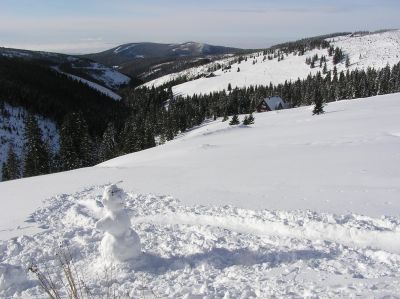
x: 152, y: 116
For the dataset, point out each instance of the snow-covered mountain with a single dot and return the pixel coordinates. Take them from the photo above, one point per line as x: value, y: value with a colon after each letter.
x: 293, y: 206
x: 94, y: 74
x: 149, y: 60
x: 374, y: 50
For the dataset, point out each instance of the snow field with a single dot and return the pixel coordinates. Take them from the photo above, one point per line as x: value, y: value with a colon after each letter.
x: 214, y: 251
x: 293, y: 206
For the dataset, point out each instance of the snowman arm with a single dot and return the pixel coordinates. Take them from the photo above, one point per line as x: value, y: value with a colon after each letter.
x: 104, y: 223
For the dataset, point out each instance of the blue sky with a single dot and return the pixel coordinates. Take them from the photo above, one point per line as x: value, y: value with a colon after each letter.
x: 80, y: 26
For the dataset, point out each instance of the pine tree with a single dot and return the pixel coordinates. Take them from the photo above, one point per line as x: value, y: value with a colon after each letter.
x: 248, y: 120
x: 251, y: 119
x: 4, y: 172
x: 234, y: 120
x: 37, y: 158
x: 338, y: 56
x: 225, y: 118
x: 108, y: 147
x: 319, y: 102
x: 347, y: 61
x: 325, y: 69
x: 229, y: 87
x: 11, y: 168
x: 75, y: 144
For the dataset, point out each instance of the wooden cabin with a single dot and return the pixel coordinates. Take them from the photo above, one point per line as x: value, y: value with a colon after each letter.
x: 271, y: 104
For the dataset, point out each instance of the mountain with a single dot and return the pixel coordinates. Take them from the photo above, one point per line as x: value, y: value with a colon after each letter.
x: 79, y: 67
x: 295, y: 205
x: 150, y: 60
x: 287, y: 62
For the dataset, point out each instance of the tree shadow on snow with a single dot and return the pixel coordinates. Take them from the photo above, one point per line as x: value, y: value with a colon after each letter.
x: 221, y: 258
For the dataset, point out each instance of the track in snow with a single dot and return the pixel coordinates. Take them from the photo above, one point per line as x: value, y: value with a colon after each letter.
x: 191, y: 252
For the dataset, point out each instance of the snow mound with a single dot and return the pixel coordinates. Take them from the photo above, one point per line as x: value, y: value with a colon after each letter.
x: 215, y: 251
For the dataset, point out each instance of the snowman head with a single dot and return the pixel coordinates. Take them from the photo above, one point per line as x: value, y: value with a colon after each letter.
x: 113, y: 198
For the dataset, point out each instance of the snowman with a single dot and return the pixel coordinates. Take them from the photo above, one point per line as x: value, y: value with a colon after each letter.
x: 120, y: 243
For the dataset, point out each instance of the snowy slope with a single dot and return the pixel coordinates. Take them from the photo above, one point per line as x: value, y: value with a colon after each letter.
x: 12, y: 129
x: 274, y: 209
x: 107, y: 76
x: 92, y: 85
x: 373, y: 50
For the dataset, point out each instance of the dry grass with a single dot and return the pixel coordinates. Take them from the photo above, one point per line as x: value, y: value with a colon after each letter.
x: 68, y: 282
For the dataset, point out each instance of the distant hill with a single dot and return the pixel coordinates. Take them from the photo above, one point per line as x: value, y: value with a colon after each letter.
x: 151, y: 60
x: 288, y: 61
x: 76, y: 66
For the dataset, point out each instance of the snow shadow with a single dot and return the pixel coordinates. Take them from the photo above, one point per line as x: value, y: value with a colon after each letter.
x: 221, y: 258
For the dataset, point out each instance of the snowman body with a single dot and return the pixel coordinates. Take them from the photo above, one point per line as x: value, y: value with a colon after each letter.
x: 120, y: 243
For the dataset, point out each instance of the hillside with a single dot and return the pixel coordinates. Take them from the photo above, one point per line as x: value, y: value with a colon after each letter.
x: 33, y: 87
x: 295, y: 204
x: 151, y: 60
x: 91, y: 71
x: 12, y: 129
x: 375, y: 50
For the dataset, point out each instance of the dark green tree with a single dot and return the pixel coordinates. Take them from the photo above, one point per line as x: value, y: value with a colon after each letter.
x: 75, y: 144
x: 108, y: 147
x: 11, y: 167
x: 347, y: 61
x: 235, y: 120
x: 319, y: 102
x: 37, y: 157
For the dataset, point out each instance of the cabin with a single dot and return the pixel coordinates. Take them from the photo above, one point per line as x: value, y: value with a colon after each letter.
x: 271, y: 104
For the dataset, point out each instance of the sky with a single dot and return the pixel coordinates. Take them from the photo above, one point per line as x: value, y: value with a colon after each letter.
x: 84, y: 26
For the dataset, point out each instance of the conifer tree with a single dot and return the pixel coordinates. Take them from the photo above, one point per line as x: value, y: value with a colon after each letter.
x: 12, y: 165
x: 248, y: 120
x: 108, y: 147
x: 347, y: 61
x: 234, y: 120
x: 251, y: 119
x: 37, y: 157
x: 325, y: 69
x: 319, y: 103
x: 4, y: 172
x: 75, y: 143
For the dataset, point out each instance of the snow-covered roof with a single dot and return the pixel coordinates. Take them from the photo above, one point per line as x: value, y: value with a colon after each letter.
x: 274, y: 102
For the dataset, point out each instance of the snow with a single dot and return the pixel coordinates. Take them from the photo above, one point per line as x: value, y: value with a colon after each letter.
x: 12, y: 130
x: 124, y: 48
x: 93, y: 85
x: 293, y: 206
x: 109, y: 77
x: 373, y: 50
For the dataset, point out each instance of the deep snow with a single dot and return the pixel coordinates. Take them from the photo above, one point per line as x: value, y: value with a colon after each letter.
x: 292, y: 206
